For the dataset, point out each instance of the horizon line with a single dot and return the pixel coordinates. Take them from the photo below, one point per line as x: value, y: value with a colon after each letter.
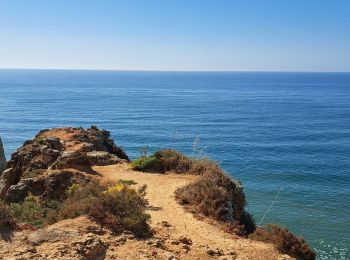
x: 156, y: 70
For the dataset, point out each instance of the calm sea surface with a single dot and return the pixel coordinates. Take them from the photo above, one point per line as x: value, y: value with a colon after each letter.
x: 279, y: 133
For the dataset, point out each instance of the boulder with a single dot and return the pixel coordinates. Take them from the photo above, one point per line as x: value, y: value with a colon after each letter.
x: 2, y: 158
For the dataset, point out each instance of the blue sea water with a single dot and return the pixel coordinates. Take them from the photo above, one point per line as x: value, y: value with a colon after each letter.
x: 279, y: 133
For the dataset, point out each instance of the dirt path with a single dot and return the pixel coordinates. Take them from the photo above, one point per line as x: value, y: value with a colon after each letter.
x: 163, y: 207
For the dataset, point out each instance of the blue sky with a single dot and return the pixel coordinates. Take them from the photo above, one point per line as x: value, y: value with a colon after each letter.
x: 245, y: 35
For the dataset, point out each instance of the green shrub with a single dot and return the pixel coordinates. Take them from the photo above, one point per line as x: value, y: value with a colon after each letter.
x: 163, y: 161
x: 147, y: 164
x: 6, y: 219
x: 29, y: 212
x: 285, y: 241
x: 117, y: 207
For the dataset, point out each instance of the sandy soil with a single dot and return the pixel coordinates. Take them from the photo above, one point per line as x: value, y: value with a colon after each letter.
x: 163, y: 207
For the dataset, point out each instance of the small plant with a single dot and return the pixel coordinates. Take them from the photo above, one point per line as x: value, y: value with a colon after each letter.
x: 285, y: 241
x: 6, y: 219
x: 29, y: 212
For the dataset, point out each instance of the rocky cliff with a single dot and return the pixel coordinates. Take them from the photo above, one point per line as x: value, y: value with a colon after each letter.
x: 55, y: 159
x: 46, y: 179
x: 2, y: 157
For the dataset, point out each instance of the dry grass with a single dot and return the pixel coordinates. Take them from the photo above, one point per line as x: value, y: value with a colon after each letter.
x: 285, y: 241
x: 173, y: 161
x: 215, y: 195
x: 117, y: 207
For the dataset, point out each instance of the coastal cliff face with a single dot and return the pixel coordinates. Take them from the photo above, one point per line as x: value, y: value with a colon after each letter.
x: 2, y: 157
x: 47, y: 178
x: 56, y: 159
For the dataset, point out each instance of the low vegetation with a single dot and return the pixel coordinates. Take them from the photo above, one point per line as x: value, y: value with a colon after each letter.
x: 32, y: 174
x: 147, y: 164
x: 285, y: 241
x: 6, y: 219
x: 29, y: 212
x: 117, y: 207
x: 213, y: 194
x: 163, y: 161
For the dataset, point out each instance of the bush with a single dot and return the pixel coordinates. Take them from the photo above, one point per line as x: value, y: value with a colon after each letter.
x: 163, y: 161
x: 204, y: 166
x: 29, y: 212
x: 147, y: 164
x: 117, y: 207
x: 285, y: 241
x: 6, y: 219
x: 174, y: 161
x: 213, y: 193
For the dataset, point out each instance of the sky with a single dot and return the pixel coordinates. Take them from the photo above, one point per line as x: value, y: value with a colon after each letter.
x: 181, y: 35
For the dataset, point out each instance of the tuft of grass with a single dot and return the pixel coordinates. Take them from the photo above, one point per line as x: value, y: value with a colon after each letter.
x: 285, y: 241
x: 29, y: 212
x: 117, y: 207
x: 6, y: 219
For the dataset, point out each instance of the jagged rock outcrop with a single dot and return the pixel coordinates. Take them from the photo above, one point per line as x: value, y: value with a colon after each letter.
x: 2, y: 158
x: 54, y: 160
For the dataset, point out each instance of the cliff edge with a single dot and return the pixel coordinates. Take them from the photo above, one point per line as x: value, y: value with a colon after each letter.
x: 71, y: 193
x: 2, y: 157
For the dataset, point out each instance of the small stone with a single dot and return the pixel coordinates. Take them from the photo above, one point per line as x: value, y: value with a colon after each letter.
x: 185, y: 240
x: 175, y: 242
x: 210, y: 252
x: 165, y: 224
x: 186, y: 247
x: 159, y: 244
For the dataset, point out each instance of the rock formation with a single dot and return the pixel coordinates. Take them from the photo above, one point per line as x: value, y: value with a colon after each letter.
x: 2, y: 157
x: 54, y: 160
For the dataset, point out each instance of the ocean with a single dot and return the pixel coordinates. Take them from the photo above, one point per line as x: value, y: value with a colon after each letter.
x: 286, y: 136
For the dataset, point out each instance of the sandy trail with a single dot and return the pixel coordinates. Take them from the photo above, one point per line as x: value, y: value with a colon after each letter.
x: 163, y: 207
